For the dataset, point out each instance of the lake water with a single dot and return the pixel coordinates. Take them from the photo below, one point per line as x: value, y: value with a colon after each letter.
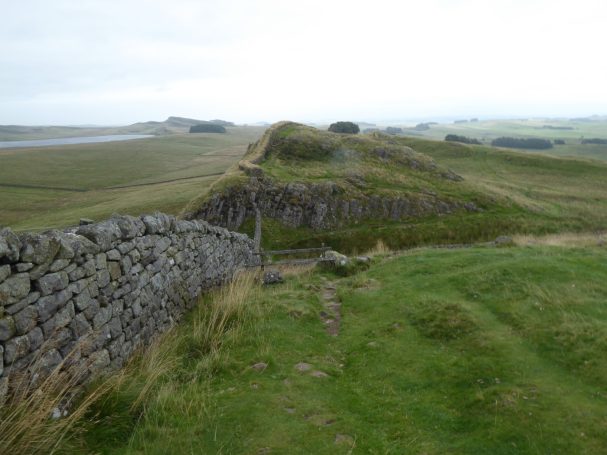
x: 72, y: 140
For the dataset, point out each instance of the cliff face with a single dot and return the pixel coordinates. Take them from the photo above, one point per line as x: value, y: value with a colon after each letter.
x: 317, y: 205
x: 304, y: 177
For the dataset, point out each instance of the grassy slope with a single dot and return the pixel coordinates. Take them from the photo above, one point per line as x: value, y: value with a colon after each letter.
x: 96, y: 167
x: 484, y: 351
x: 528, y: 193
x: 488, y: 130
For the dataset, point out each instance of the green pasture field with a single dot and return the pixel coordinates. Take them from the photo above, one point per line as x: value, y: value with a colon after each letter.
x: 486, y: 131
x: 56, y: 186
x: 465, y: 351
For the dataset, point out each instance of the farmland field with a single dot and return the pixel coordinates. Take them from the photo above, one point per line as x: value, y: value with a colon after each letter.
x: 55, y: 186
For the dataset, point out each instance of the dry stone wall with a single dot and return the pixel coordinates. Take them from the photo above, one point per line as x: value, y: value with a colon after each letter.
x: 91, y: 295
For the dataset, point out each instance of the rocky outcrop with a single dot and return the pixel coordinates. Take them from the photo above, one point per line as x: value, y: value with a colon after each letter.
x: 317, y: 205
x: 97, y: 292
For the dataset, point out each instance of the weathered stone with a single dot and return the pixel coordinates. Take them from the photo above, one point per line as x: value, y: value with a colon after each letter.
x: 77, y: 274
x: 39, y: 248
x: 126, y: 265
x: 113, y: 255
x: 39, y: 270
x: 16, y: 348
x: 103, y: 278
x: 98, y: 361
x: 23, y: 267
x: 10, y: 245
x: 129, y: 226
x: 35, y: 338
x: 115, y: 327
x: 101, y: 261
x: 14, y: 288
x: 89, y: 268
x: 52, y: 282
x: 79, y: 245
x: 1, y: 366
x: 7, y: 328
x: 65, y: 315
x: 272, y: 277
x: 48, y: 362
x: 102, y: 317
x: 25, y: 320
x: 114, y: 269
x: 48, y: 306
x: 158, y: 223
x: 32, y: 297
x: 83, y: 300
x: 5, y: 272
x: 80, y: 326
x: 103, y: 234
x: 85, y: 221
x: 59, y: 264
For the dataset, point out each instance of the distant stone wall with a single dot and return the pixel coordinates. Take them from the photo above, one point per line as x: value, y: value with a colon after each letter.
x: 99, y: 291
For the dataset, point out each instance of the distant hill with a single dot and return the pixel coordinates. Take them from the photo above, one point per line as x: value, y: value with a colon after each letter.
x: 158, y: 128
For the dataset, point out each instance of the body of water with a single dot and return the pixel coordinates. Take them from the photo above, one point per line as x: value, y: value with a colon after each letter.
x: 72, y: 140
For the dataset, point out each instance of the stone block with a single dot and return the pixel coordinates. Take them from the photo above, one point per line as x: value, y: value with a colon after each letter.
x: 52, y: 282
x: 113, y: 255
x: 14, y: 288
x: 36, y: 338
x: 59, y: 264
x: 23, y: 267
x: 39, y: 248
x: 103, y: 278
x: 26, y: 319
x: 114, y: 269
x: 16, y: 348
x: 7, y: 328
x: 80, y: 326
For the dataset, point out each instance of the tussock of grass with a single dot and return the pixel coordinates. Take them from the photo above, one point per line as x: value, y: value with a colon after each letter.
x: 38, y: 416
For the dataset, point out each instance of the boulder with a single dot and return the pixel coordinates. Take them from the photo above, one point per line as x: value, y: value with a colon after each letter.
x: 272, y: 277
x: 129, y: 226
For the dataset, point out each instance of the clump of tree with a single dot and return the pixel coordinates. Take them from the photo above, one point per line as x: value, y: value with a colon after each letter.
x: 559, y: 142
x: 522, y: 143
x: 344, y: 127
x: 595, y: 140
x: 462, y: 139
x: 207, y: 128
x: 394, y: 130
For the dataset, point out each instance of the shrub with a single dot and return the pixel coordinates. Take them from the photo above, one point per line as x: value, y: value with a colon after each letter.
x: 394, y: 130
x: 559, y: 142
x: 462, y: 139
x: 207, y: 128
x: 344, y: 127
x: 522, y: 143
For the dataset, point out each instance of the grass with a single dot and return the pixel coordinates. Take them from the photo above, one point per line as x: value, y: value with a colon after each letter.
x: 479, y: 350
x: 186, y: 163
x: 488, y: 130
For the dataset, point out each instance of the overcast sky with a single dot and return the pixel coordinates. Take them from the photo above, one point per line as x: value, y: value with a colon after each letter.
x: 122, y: 61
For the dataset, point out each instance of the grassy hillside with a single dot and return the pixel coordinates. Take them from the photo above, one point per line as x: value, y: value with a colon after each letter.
x: 469, y: 351
x: 55, y: 186
x: 169, y: 126
x: 519, y: 192
x: 568, y: 130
